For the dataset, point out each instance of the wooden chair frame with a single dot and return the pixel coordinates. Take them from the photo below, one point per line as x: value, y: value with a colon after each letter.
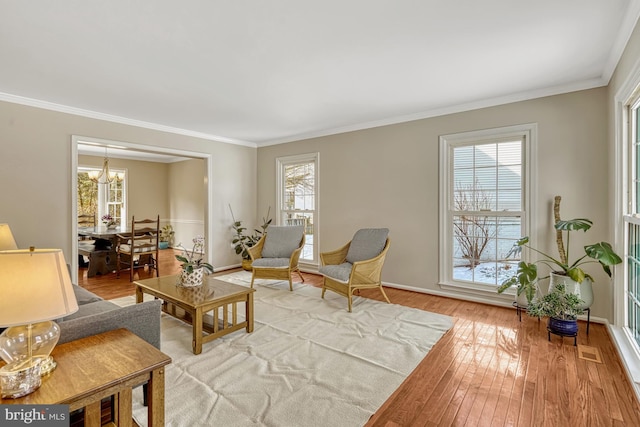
x: 276, y: 273
x: 364, y: 274
x: 141, y: 230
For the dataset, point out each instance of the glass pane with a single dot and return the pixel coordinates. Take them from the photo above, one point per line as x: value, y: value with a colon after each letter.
x: 510, y: 153
x: 299, y: 187
x: 463, y: 157
x: 305, y: 219
x: 481, y: 244
x: 509, y: 200
x: 486, y: 155
x: 87, y: 195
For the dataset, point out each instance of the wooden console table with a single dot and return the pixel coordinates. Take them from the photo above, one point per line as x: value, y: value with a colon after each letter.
x: 99, y: 366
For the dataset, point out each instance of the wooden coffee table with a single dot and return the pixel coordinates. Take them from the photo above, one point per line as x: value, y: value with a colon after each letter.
x: 190, y: 304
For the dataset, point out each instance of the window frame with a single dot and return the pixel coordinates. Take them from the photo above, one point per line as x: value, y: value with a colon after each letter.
x: 103, y: 196
x: 528, y: 133
x: 281, y: 162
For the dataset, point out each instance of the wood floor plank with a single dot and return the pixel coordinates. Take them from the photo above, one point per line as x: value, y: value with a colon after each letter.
x: 489, y: 370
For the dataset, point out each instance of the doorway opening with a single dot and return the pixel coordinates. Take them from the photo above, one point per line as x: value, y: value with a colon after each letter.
x: 145, y: 188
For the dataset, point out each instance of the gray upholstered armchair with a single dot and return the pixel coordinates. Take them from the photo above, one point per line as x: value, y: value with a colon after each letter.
x: 356, y: 265
x: 276, y: 254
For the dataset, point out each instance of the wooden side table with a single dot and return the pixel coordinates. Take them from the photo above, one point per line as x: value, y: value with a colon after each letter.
x: 99, y: 366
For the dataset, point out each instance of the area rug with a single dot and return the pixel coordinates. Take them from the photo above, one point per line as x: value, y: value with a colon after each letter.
x: 308, y: 362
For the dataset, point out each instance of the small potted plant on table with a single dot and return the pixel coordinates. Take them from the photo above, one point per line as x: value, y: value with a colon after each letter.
x: 193, y: 266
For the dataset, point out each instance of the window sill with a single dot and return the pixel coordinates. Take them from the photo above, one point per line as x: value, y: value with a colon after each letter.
x: 628, y: 354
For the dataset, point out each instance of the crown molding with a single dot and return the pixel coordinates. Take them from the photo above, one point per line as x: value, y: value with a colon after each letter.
x: 118, y: 119
x: 491, y: 102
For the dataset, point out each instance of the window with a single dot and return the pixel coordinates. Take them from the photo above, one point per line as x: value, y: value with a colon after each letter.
x: 100, y: 199
x: 485, y: 195
x: 298, y: 198
x: 632, y: 226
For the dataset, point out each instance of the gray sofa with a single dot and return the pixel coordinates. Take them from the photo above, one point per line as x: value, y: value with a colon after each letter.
x: 96, y: 315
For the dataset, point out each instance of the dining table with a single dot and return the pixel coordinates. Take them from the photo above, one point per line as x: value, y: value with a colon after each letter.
x: 104, y: 232
x: 102, y: 251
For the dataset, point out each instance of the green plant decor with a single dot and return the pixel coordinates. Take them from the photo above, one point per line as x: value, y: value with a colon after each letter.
x: 193, y: 259
x: 527, y: 277
x: 241, y: 240
x: 557, y: 304
x: 166, y: 233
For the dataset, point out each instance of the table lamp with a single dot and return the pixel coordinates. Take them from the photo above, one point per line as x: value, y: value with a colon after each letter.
x: 35, y: 288
x: 7, y: 242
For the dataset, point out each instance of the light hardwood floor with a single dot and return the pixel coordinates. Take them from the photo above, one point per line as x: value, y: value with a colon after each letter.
x: 489, y: 370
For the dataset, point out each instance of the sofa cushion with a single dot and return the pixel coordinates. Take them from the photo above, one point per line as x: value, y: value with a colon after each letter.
x: 83, y: 296
x: 271, y: 262
x: 142, y: 319
x: 367, y: 243
x: 90, y: 309
x: 339, y: 272
x: 281, y: 241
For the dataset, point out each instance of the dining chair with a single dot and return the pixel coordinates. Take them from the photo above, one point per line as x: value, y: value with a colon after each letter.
x: 85, y: 244
x: 139, y: 248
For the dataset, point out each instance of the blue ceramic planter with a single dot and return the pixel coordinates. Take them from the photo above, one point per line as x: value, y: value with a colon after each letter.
x: 563, y: 327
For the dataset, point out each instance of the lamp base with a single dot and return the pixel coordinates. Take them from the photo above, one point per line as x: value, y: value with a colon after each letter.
x: 36, y: 340
x: 47, y: 365
x: 20, y: 378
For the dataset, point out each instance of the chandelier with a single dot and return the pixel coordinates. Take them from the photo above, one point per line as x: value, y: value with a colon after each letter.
x: 105, y: 176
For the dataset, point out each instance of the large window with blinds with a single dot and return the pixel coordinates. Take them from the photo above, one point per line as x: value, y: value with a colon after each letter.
x: 484, y: 201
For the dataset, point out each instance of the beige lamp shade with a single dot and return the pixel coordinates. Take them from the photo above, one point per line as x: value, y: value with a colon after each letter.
x: 35, y: 286
x: 7, y: 242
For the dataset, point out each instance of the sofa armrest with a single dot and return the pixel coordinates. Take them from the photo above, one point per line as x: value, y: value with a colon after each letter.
x: 141, y: 319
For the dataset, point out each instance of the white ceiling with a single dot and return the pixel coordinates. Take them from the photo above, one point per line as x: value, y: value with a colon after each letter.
x: 265, y: 72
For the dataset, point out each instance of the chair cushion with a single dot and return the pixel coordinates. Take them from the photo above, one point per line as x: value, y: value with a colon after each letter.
x: 271, y: 262
x: 142, y: 248
x: 367, y: 243
x: 281, y: 241
x: 339, y: 272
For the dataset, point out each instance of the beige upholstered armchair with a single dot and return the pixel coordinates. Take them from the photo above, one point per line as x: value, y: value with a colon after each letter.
x: 356, y: 265
x: 276, y: 254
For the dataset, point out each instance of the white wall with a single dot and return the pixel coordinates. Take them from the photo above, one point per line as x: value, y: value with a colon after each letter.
x: 388, y: 177
x: 186, y: 188
x: 35, y: 175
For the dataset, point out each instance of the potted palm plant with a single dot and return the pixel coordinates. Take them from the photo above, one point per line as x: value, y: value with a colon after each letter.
x: 563, y: 269
x: 242, y: 240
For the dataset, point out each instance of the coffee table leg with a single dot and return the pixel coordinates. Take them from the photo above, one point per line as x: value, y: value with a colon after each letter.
x: 197, y: 331
x: 139, y: 295
x: 249, y: 311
